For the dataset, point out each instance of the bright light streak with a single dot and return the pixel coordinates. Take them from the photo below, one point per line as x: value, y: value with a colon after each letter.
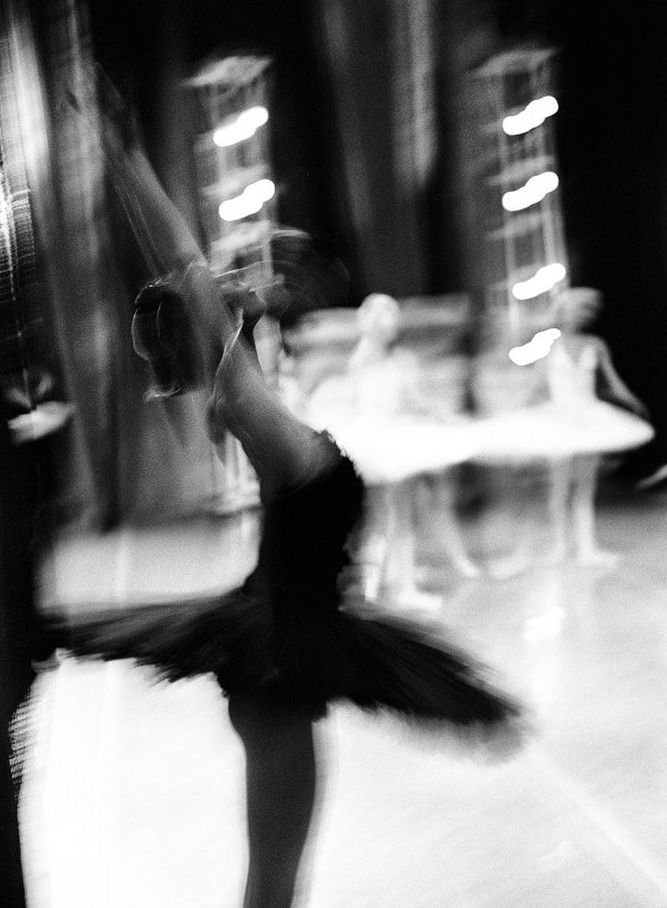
x: 541, y: 282
x: 534, y: 114
x: 536, y: 348
x: 242, y: 127
x: 545, y: 626
x: 532, y: 192
x: 249, y: 202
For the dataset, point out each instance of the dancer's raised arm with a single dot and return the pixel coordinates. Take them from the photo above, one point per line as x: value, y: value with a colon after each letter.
x: 613, y: 384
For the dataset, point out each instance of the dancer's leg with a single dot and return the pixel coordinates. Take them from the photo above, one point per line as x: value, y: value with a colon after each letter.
x: 585, y: 472
x: 560, y: 480
x: 449, y: 529
x: 374, y: 545
x: 281, y: 780
x: 399, y: 574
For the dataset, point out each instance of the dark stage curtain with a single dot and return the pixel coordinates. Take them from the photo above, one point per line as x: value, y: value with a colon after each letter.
x: 403, y: 154
x: 379, y: 60
x: 125, y: 460
x: 16, y: 601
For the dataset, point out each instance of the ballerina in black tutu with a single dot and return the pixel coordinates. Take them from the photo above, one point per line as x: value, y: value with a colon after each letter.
x: 290, y: 640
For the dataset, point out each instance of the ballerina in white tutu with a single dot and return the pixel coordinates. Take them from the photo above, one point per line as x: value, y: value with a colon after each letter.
x: 578, y: 364
x: 573, y: 429
x: 395, y: 434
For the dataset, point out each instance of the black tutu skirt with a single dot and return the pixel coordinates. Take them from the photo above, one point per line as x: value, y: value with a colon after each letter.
x: 292, y: 634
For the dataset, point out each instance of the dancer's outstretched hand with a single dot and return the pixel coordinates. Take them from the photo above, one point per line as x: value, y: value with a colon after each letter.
x: 313, y: 278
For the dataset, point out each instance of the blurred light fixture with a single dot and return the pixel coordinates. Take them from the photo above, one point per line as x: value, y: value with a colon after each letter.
x: 241, y: 127
x: 542, y: 281
x: 249, y: 202
x: 534, y: 114
x: 536, y: 348
x: 532, y: 192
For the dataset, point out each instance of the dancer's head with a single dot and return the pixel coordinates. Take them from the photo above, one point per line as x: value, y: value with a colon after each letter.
x: 167, y: 332
x: 378, y: 318
x: 163, y: 335
x: 576, y: 307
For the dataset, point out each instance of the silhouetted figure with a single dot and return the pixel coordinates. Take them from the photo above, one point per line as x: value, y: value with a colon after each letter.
x: 16, y: 637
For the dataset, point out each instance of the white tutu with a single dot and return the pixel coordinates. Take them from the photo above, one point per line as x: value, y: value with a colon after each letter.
x: 574, y: 421
x: 554, y: 430
x: 370, y: 413
x: 386, y: 451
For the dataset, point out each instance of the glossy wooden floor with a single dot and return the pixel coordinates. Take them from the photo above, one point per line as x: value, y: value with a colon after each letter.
x: 134, y: 791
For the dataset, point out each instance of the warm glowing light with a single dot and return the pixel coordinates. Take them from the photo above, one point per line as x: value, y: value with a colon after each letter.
x: 541, y: 282
x: 536, y: 348
x: 242, y: 127
x: 249, y: 202
x: 534, y: 114
x: 532, y: 192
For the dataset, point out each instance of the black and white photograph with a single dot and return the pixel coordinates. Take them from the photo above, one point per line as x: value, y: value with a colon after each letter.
x: 333, y: 454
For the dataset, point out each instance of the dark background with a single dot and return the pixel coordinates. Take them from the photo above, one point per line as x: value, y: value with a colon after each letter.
x: 611, y: 85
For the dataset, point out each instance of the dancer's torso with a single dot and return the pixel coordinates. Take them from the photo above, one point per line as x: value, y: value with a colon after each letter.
x: 571, y: 372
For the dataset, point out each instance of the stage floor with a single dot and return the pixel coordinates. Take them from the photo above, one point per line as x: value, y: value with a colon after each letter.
x: 134, y: 792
